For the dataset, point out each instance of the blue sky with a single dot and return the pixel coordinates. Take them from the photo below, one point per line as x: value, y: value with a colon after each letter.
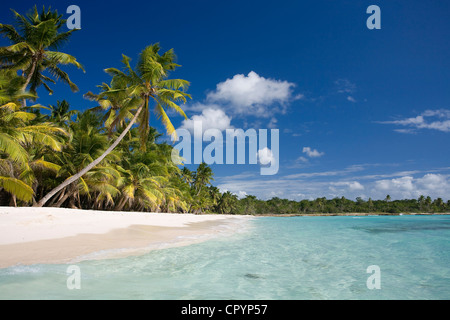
x: 360, y: 112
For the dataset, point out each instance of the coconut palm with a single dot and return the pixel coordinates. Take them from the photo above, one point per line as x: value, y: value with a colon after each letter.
x: 20, y: 141
x: 187, y: 176
x: 35, y: 39
x: 140, y: 187
x: 61, y: 113
x: 115, y: 104
x: 202, y: 177
x: 421, y: 201
x: 149, y: 81
x: 227, y: 203
x: 87, y: 142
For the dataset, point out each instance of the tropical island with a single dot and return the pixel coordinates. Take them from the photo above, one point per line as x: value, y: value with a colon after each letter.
x: 110, y: 157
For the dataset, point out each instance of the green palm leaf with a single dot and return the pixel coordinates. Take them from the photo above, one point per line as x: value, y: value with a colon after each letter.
x: 18, y: 188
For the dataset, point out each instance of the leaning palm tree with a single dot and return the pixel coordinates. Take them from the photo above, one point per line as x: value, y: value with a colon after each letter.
x: 148, y: 82
x: 35, y: 39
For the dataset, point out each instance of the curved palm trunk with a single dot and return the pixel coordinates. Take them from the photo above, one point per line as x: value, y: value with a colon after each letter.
x: 28, y: 80
x: 30, y: 75
x: 91, y: 165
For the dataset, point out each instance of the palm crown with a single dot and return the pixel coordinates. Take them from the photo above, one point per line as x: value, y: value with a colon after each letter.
x: 149, y: 80
x: 35, y: 39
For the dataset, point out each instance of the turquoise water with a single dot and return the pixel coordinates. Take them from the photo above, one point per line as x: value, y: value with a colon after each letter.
x: 274, y: 258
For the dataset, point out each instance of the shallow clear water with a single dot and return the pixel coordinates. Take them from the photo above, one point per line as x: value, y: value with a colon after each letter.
x: 274, y: 258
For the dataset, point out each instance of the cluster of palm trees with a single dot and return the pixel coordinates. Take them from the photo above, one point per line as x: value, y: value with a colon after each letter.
x: 204, y: 196
x: 103, y: 158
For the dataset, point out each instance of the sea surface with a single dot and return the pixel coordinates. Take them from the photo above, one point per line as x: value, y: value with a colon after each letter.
x: 368, y: 257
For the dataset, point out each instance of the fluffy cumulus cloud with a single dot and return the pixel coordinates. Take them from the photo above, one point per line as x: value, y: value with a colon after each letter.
x: 210, y: 118
x: 312, y: 153
x: 430, y: 119
x: 252, y: 94
x: 265, y: 156
x: 240, y: 96
x: 331, y: 184
x: 435, y: 185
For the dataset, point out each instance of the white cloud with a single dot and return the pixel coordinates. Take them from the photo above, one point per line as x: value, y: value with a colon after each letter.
x: 209, y: 119
x: 253, y: 94
x: 403, y: 183
x: 441, y: 113
x: 433, y: 181
x: 409, y: 131
x: 354, y: 186
x: 400, y: 185
x: 273, y: 123
x: 312, y: 153
x: 199, y: 106
x: 351, y: 99
x: 241, y: 194
x: 435, y: 185
x: 429, y: 119
x: 345, y: 86
x: 265, y: 156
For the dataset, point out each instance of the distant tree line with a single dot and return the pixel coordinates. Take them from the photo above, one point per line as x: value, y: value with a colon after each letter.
x: 252, y: 205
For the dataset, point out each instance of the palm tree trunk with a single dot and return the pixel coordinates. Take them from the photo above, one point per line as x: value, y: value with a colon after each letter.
x: 62, y: 199
x: 13, y: 202
x: 121, y: 204
x: 91, y: 165
x: 28, y: 80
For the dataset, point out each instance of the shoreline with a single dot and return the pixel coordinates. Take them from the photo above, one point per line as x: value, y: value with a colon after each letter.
x: 350, y: 214
x: 59, y: 235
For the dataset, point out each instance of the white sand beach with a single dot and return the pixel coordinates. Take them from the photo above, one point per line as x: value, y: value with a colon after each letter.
x: 58, y: 235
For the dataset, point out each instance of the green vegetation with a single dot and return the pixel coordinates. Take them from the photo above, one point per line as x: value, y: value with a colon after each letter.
x: 252, y: 205
x: 109, y: 157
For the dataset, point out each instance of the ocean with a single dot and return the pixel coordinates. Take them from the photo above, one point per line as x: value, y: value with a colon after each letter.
x: 275, y: 258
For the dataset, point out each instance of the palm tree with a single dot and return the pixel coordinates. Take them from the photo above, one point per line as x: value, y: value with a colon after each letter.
x: 421, y: 201
x: 439, y: 204
x: 141, y: 185
x: 187, y: 176
x: 428, y: 202
x: 88, y: 141
x: 35, y: 39
x: 370, y: 204
x: 227, y: 203
x: 19, y: 141
x: 215, y: 195
x: 60, y: 114
x: 320, y: 203
x: 148, y: 81
x: 115, y: 99
x: 202, y: 177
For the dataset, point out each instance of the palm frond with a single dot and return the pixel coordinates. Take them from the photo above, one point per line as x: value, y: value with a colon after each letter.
x: 56, y: 58
x: 13, y: 149
x: 17, y: 187
x: 166, y: 122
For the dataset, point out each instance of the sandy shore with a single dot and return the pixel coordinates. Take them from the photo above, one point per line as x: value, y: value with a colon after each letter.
x: 56, y: 235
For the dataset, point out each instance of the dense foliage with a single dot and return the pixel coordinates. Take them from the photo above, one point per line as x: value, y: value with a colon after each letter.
x: 252, y: 205
x: 109, y: 157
